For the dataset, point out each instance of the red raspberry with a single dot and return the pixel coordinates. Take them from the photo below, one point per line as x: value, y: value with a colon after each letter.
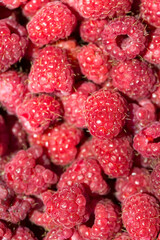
x: 32, y: 6
x: 140, y: 214
x: 5, y: 232
x: 146, y: 142
x: 61, y: 143
x: 24, y: 176
x: 13, y: 4
x: 124, y: 38
x: 51, y: 72
x: 134, y: 78
x: 140, y: 115
x: 90, y: 29
x: 13, y: 89
x: 137, y: 181
x: 86, y: 150
x: 4, y: 137
x: 122, y: 236
x: 76, y: 236
x: 105, y: 113
x: 13, y: 43
x: 59, y: 233
x: 114, y: 155
x: 38, y: 112
x: 156, y: 95
x: 155, y: 181
x: 106, y: 224
x: 85, y: 171
x: 87, y: 87
x: 67, y: 207
x: 52, y: 22
x: 23, y: 233
x: 94, y: 63
x: 150, y: 12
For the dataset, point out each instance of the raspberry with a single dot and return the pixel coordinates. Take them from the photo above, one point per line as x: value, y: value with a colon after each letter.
x: 114, y: 155
x: 149, y: 10
x: 134, y: 78
x: 60, y: 234
x: 13, y: 89
x: 67, y: 207
x: 124, y: 38
x: 23, y: 233
x: 90, y: 29
x: 85, y: 171
x: 5, y: 232
x: 122, y: 236
x: 105, y: 113
x: 86, y: 150
x: 140, y: 214
x: 13, y: 43
x: 156, y: 96
x: 32, y: 6
x: 94, y: 63
x: 38, y: 112
x: 87, y: 87
x: 155, y: 181
x: 52, y: 22
x: 146, y: 142
x: 51, y: 72
x: 24, y: 176
x: 106, y: 224
x: 4, y: 137
x: 138, y: 181
x: 76, y: 236
x: 13, y: 4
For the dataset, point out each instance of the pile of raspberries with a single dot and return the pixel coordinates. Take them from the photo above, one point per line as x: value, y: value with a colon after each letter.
x: 80, y: 120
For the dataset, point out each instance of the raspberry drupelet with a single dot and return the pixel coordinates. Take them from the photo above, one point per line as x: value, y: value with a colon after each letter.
x: 13, y: 43
x: 106, y: 224
x: 59, y: 233
x: 134, y: 78
x: 51, y: 72
x: 36, y: 113
x: 146, y: 142
x: 114, y: 155
x: 124, y: 38
x: 140, y: 215
x: 52, y: 22
x: 94, y: 63
x: 105, y: 112
x: 85, y: 171
x: 24, y: 176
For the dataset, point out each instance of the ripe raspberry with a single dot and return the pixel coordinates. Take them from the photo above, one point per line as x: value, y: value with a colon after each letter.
x: 76, y: 236
x: 94, y: 63
x: 51, y: 72
x: 67, y: 207
x: 105, y: 113
x: 134, y: 78
x: 61, y: 143
x: 13, y: 89
x: 4, y: 137
x: 106, y: 224
x: 86, y: 150
x: 24, y: 176
x: 32, y: 6
x: 59, y: 233
x: 124, y: 38
x: 90, y: 29
x: 140, y: 115
x: 13, y: 4
x: 23, y: 233
x: 140, y: 214
x: 13, y: 43
x: 36, y: 113
x: 52, y: 22
x: 5, y: 232
x: 122, y: 236
x: 114, y: 155
x: 138, y: 181
x: 87, y: 87
x: 149, y: 10
x: 155, y: 181
x: 146, y: 142
x: 85, y: 171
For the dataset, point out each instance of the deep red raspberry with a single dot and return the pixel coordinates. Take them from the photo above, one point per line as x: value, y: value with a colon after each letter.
x: 5, y: 232
x: 51, y: 72
x: 23, y: 233
x: 140, y: 214
x: 105, y: 113
x: 124, y: 38
x: 114, y: 155
x: 13, y: 89
x: 36, y: 113
x: 140, y: 115
x: 149, y: 10
x: 13, y: 4
x: 106, y: 224
x: 122, y: 236
x: 32, y: 6
x: 137, y: 181
x: 86, y: 150
x: 134, y: 78
x: 155, y: 181
x: 4, y: 137
x: 24, y: 176
x: 13, y: 43
x: 90, y: 30
x: 59, y: 233
x: 68, y: 206
x: 146, y: 142
x: 94, y: 63
x: 85, y: 171
x: 52, y: 22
